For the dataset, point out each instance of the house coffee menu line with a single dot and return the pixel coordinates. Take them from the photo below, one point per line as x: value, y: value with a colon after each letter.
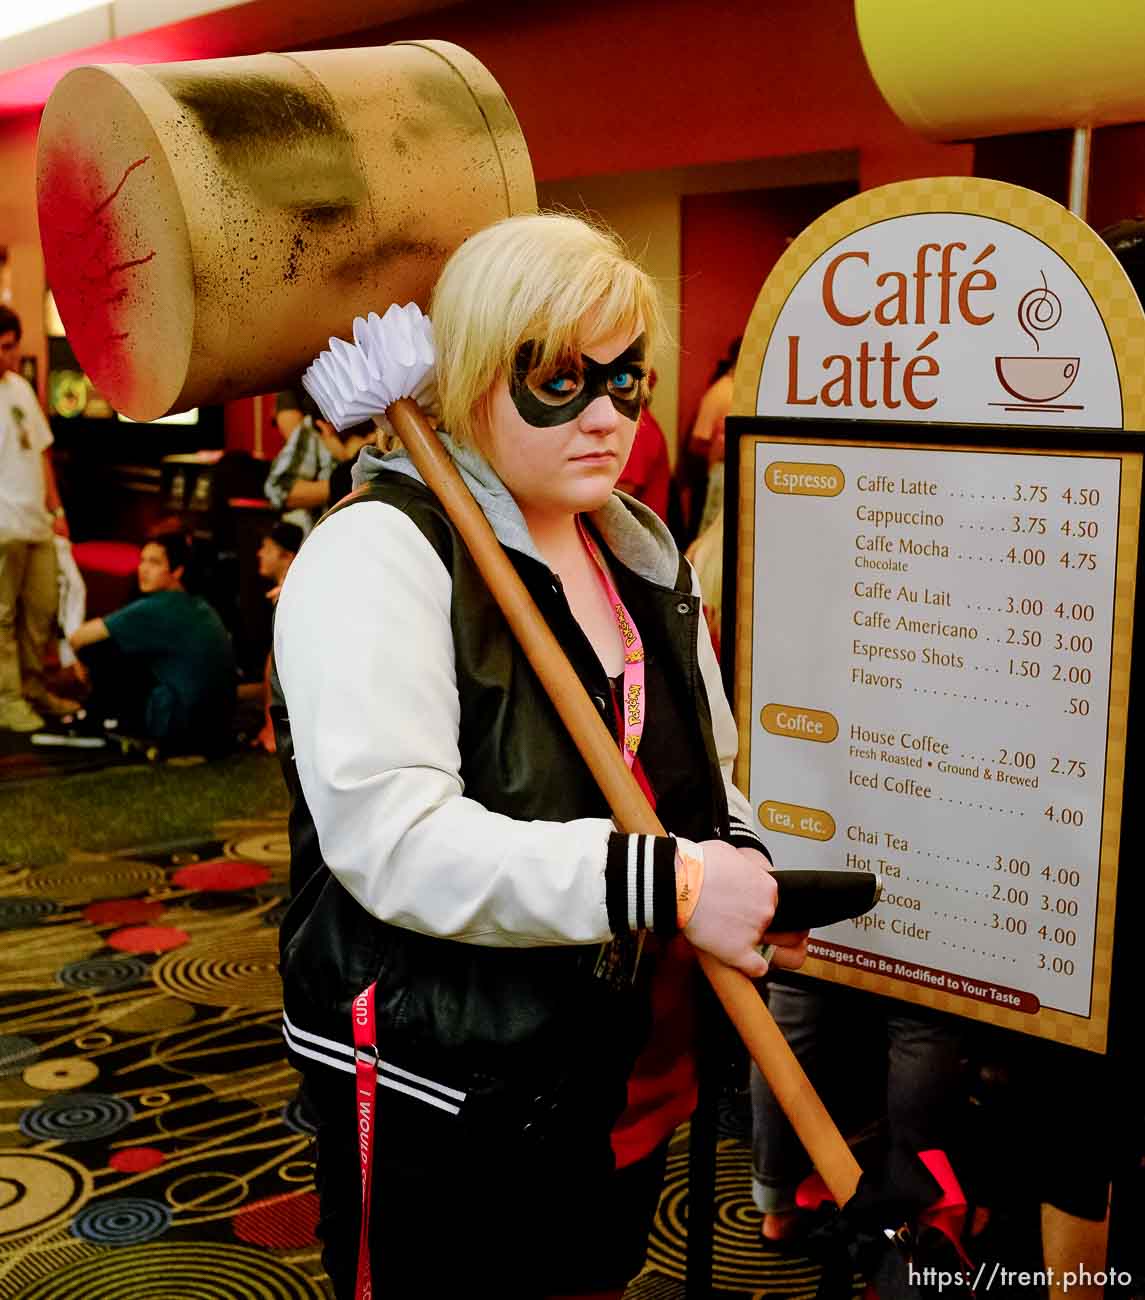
x: 932, y: 648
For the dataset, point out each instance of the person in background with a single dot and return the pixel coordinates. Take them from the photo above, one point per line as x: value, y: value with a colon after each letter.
x: 706, y: 556
x: 275, y: 556
x: 162, y: 667
x: 701, y: 466
x: 647, y: 474
x: 343, y: 449
x: 30, y: 512
x: 275, y: 553
x: 287, y: 412
x: 860, y: 1052
x: 298, y: 481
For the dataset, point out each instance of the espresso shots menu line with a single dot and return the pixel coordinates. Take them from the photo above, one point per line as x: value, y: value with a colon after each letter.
x: 932, y: 642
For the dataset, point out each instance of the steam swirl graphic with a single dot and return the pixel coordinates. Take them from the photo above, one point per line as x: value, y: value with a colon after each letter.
x: 1040, y: 309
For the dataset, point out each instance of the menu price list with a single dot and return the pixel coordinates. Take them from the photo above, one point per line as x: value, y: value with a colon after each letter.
x: 931, y: 656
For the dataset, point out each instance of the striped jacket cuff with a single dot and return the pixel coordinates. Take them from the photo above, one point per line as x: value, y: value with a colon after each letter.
x: 743, y: 837
x: 640, y: 883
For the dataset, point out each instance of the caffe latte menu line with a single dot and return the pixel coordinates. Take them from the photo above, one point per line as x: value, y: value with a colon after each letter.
x: 931, y: 656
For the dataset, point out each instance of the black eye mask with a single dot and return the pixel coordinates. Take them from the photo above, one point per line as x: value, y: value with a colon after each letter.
x: 562, y: 396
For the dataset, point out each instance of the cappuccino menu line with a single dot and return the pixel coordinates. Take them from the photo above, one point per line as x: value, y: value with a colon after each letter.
x: 931, y: 658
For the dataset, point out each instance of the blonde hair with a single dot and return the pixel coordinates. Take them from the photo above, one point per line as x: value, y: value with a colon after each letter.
x: 548, y: 279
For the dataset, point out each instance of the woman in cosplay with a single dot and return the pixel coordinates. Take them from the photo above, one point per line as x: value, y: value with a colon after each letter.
x: 514, y: 971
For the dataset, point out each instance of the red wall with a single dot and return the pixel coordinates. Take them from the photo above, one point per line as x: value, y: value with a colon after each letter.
x: 729, y: 243
x: 1039, y: 161
x: 248, y: 425
x: 1117, y: 175
x: 602, y: 87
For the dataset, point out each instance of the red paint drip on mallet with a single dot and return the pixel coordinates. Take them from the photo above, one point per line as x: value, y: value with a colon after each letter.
x: 90, y: 254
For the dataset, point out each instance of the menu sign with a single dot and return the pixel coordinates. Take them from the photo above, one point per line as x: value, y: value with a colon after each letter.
x: 955, y: 729
x: 933, y: 624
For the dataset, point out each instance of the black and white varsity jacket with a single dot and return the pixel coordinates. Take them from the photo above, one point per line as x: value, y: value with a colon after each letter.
x: 447, y: 840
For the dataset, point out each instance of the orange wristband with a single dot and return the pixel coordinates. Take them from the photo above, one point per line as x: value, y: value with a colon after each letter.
x: 689, y: 880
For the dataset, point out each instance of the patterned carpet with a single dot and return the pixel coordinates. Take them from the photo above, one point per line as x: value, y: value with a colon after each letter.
x: 150, y: 1147
x: 148, y: 1142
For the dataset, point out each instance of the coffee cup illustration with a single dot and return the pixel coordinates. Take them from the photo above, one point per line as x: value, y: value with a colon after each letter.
x: 1036, y: 380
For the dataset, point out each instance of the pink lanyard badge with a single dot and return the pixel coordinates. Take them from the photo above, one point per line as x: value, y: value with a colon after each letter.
x: 365, y: 1110
x: 633, y: 704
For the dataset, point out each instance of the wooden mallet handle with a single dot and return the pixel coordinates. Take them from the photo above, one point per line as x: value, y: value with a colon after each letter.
x: 633, y: 814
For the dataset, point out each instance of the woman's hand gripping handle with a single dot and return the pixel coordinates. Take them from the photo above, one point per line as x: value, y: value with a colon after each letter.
x: 731, y: 915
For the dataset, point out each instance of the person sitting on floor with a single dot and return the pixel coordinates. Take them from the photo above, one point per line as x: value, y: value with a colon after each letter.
x: 277, y: 550
x: 647, y: 475
x: 161, y: 667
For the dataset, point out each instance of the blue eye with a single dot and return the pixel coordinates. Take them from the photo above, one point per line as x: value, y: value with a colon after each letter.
x: 560, y: 388
x: 625, y: 382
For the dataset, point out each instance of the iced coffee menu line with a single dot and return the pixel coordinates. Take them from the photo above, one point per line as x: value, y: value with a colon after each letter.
x: 949, y: 728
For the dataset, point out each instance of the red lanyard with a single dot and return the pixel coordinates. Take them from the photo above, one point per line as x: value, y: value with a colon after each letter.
x: 365, y: 1033
x: 365, y: 1110
x: 633, y: 703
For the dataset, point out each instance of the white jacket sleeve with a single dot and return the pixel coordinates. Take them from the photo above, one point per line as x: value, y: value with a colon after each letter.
x: 364, y: 652
x: 743, y: 833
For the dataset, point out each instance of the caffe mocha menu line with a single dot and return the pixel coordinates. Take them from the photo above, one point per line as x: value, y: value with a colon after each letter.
x: 932, y: 647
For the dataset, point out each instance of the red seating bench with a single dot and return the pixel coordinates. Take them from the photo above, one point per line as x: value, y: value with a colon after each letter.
x: 109, y: 572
